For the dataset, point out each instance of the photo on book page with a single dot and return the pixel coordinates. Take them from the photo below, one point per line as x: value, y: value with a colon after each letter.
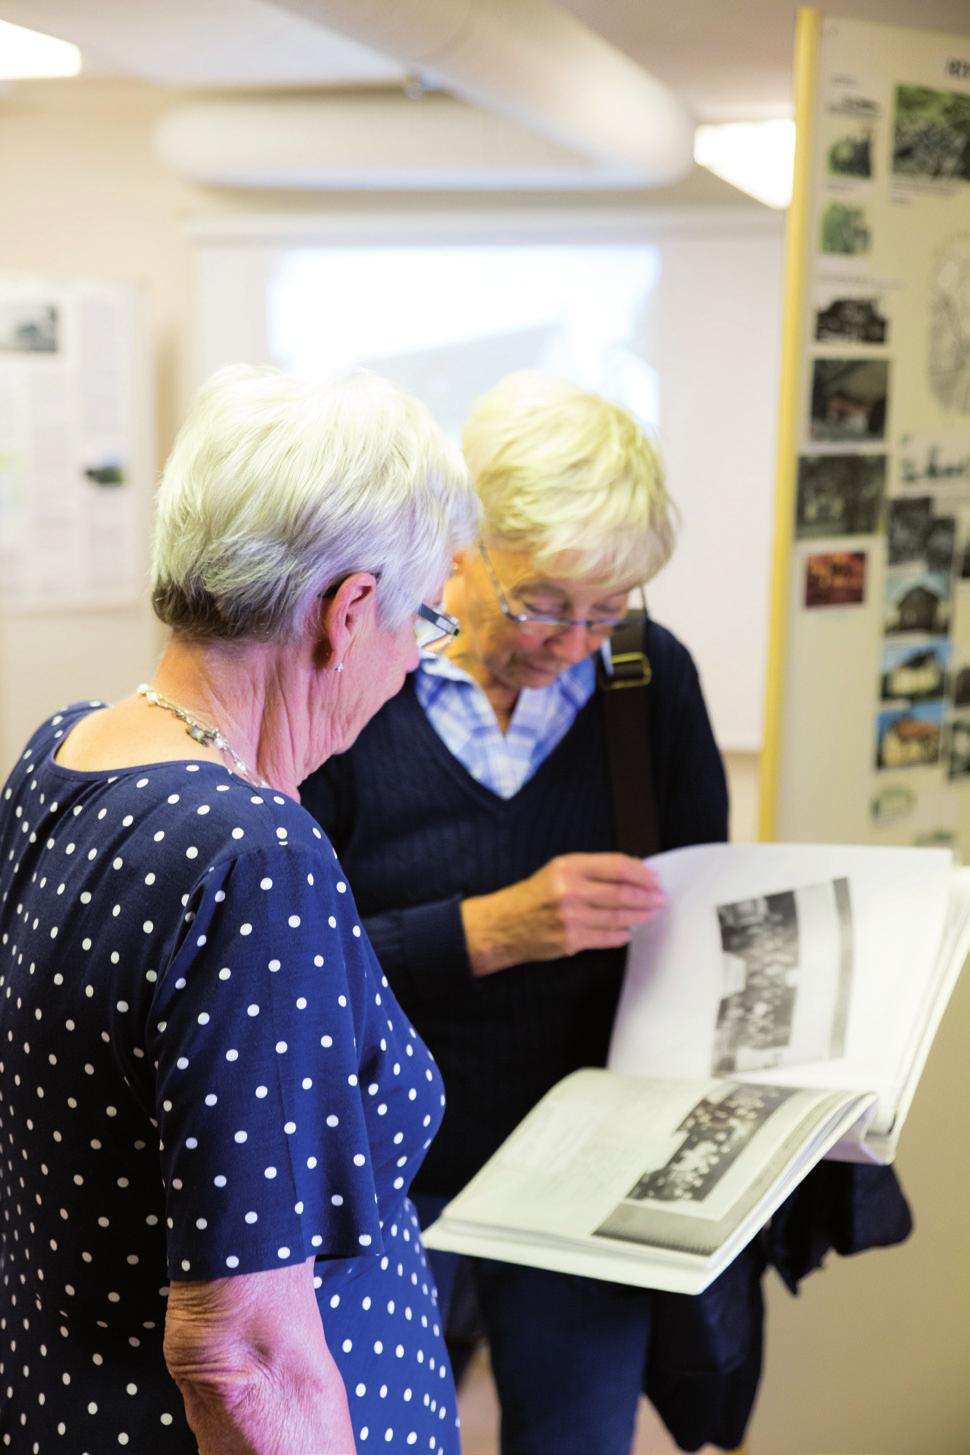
x: 774, y: 947
x: 714, y: 1133
x: 708, y: 1142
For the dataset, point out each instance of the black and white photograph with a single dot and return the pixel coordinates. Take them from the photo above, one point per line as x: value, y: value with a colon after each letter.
x: 845, y: 319
x: 917, y: 601
x: 764, y: 965
x: 908, y: 528
x: 938, y: 461
x: 849, y: 399
x: 958, y: 748
x: 941, y: 543
x: 916, y: 535
x: 839, y: 495
x: 28, y: 328
x: 716, y: 1131
x: 931, y: 137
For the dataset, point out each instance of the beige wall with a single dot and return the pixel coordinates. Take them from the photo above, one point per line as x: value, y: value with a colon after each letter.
x: 872, y: 1359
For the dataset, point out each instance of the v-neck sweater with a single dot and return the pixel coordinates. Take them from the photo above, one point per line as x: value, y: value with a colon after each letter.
x: 417, y: 834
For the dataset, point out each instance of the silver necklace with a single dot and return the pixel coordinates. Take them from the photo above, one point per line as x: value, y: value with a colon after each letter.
x: 199, y: 732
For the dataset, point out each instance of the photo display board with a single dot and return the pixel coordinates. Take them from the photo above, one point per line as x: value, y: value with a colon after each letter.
x: 868, y: 713
x: 75, y: 447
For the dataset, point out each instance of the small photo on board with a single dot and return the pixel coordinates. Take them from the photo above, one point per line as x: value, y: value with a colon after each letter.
x: 914, y: 673
x: 850, y: 318
x: 106, y: 472
x: 908, y: 528
x: 961, y: 685
x: 839, y: 495
x: 28, y: 328
x: 917, y: 602
x: 931, y: 135
x: 836, y: 578
x: 845, y: 231
x: 941, y: 543
x: 849, y: 399
x: 935, y: 461
x: 891, y: 804
x: 849, y: 152
x: 911, y: 738
x: 963, y: 564
x: 958, y: 748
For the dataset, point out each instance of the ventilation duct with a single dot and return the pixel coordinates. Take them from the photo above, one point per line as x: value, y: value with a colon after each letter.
x: 553, y: 105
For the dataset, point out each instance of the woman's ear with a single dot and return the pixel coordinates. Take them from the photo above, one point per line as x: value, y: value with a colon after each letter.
x: 340, y: 618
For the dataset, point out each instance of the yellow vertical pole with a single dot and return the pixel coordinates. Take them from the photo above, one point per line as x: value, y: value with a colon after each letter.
x: 797, y: 242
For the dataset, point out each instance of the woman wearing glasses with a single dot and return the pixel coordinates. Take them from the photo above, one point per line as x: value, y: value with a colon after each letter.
x: 211, y: 1105
x: 473, y: 816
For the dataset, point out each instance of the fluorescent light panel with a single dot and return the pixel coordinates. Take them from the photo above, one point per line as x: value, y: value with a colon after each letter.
x: 28, y: 55
x: 756, y: 156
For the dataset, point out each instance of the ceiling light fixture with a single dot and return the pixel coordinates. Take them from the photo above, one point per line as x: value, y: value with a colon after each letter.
x: 28, y: 55
x: 756, y: 156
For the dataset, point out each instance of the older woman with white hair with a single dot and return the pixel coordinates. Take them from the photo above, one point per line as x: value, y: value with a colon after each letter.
x: 212, y: 1105
x: 489, y: 878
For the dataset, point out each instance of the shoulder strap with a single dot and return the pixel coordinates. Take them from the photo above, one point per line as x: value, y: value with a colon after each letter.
x: 623, y: 694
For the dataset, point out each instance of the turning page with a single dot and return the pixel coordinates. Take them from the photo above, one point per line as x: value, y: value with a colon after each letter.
x: 796, y: 964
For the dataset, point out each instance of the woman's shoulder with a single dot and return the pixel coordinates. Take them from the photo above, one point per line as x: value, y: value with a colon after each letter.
x: 667, y: 653
x: 53, y: 728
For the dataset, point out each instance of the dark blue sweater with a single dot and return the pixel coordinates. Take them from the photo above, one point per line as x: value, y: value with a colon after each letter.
x: 417, y: 834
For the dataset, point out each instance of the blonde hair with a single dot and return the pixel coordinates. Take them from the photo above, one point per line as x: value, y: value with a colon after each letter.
x: 276, y: 488
x: 569, y: 477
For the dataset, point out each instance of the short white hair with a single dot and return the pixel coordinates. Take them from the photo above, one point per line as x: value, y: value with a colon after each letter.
x: 570, y: 477
x: 277, y: 488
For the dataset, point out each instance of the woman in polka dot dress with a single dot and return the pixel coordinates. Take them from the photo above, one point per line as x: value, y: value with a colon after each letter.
x: 211, y: 1105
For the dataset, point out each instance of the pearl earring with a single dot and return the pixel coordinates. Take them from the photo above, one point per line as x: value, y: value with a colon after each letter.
x: 339, y: 667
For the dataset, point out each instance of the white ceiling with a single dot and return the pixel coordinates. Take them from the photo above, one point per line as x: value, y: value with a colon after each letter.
x: 727, y: 58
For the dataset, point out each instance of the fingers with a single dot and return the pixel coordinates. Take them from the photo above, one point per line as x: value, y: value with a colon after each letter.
x: 614, y: 868
x: 631, y: 900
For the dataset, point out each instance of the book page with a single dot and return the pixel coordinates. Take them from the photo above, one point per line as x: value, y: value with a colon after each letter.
x: 795, y: 964
x: 670, y: 1168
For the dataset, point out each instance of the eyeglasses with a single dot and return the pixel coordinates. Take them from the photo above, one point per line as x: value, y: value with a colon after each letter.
x: 534, y: 616
x: 431, y: 625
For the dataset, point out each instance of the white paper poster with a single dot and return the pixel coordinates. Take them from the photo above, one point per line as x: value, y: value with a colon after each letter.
x: 874, y: 742
x: 72, y: 446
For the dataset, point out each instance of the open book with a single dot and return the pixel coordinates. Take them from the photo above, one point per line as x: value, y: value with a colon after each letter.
x: 778, y: 1011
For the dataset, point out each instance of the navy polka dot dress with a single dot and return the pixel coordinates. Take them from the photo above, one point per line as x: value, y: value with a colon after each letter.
x: 202, y: 1073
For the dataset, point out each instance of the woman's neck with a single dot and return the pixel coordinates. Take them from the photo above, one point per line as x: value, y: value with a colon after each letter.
x: 237, y: 689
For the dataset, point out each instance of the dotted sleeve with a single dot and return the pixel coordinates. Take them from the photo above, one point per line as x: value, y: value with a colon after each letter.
x: 254, y: 1032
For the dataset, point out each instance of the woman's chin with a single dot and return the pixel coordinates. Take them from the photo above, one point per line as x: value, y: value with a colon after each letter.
x: 536, y: 674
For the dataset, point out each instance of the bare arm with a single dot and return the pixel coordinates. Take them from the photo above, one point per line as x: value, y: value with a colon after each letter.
x: 575, y: 902
x: 251, y: 1362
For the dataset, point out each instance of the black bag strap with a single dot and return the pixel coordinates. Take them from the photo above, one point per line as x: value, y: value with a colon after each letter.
x: 623, y: 695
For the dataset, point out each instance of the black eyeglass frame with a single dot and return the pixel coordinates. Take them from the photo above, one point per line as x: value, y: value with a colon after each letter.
x: 530, y: 618
x: 447, y: 626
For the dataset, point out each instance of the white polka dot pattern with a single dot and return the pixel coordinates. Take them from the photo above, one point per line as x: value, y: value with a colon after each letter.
x: 202, y: 1073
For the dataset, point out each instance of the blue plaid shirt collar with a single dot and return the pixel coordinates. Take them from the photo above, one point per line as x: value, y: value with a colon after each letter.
x: 462, y: 716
